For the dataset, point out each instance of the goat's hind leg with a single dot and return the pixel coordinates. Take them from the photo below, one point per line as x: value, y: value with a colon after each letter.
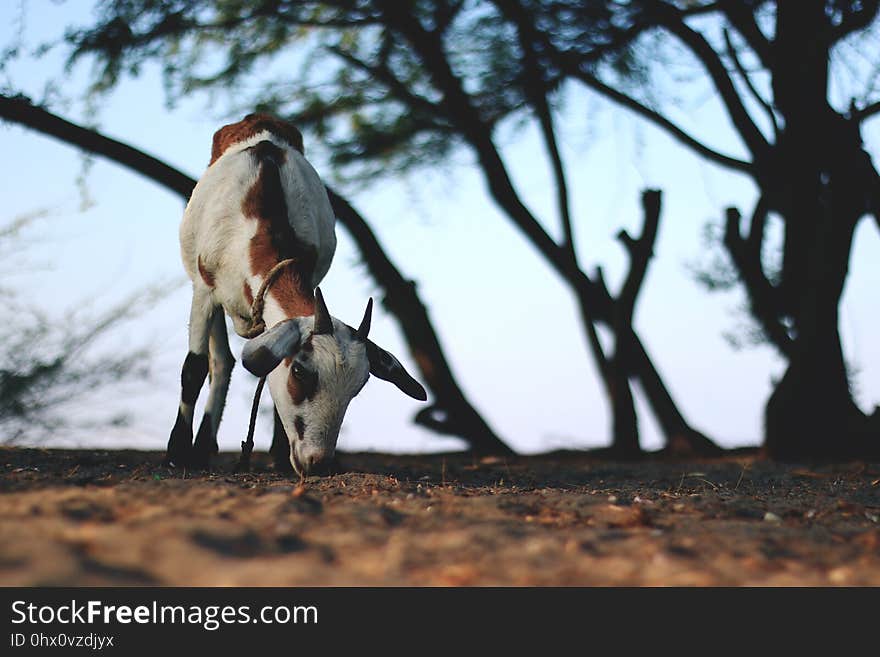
x: 280, y: 449
x: 192, y: 377
x: 221, y: 364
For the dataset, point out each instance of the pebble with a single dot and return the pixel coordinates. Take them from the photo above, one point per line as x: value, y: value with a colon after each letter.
x: 771, y: 517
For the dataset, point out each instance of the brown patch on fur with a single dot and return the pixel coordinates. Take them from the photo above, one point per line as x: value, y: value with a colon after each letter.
x: 253, y: 124
x: 274, y: 239
x: 297, y: 394
x: 207, y: 276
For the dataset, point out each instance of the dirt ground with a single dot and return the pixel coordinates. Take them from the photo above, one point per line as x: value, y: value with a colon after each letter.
x: 121, y: 518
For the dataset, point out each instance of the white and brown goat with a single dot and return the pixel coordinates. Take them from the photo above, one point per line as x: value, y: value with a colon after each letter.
x: 259, y: 203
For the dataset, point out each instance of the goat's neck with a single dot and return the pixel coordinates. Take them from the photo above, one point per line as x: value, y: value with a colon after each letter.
x: 281, y: 305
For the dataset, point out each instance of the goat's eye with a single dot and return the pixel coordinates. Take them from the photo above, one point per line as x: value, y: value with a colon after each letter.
x: 298, y: 370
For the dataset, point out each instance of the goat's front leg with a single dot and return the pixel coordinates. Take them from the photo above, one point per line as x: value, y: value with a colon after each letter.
x: 192, y: 377
x: 221, y: 364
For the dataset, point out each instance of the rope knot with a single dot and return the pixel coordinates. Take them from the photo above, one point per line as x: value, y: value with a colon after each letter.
x: 257, y: 323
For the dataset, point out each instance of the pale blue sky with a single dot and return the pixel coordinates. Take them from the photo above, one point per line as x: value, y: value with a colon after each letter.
x: 490, y: 295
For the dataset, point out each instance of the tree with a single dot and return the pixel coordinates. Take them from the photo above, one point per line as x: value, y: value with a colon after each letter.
x: 394, y: 85
x: 809, y: 164
x: 421, y: 77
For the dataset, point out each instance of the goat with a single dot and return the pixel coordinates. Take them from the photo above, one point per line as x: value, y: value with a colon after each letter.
x: 259, y: 203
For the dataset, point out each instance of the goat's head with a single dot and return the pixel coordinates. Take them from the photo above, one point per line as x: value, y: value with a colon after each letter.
x: 315, y: 367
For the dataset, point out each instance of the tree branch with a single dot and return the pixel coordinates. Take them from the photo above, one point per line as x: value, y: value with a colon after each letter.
x: 640, y: 251
x: 533, y: 82
x: 768, y: 109
x: 746, y: 256
x: 866, y: 112
x: 594, y: 303
x: 19, y: 109
x: 672, y: 20
x: 384, y: 75
x: 574, y: 65
x: 743, y: 19
x: 661, y: 121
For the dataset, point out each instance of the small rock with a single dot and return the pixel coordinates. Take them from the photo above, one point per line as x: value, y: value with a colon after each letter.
x: 771, y: 517
x: 612, y: 499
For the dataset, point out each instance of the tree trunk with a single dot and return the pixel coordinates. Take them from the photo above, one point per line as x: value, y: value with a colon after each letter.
x: 820, y: 192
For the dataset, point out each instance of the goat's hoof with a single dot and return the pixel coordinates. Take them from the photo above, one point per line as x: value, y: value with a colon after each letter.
x: 179, y: 449
x: 177, y: 458
x: 204, y: 447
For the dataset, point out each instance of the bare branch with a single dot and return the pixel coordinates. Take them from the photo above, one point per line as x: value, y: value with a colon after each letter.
x: 386, y: 76
x: 866, y: 112
x: 576, y: 66
x: 20, y: 109
x: 672, y: 19
x: 661, y: 121
x: 640, y: 252
x: 746, y: 255
x: 768, y: 109
x: 536, y: 91
x: 742, y: 18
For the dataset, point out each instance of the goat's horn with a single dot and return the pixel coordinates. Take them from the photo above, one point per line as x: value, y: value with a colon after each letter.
x: 323, y: 322
x: 364, y: 329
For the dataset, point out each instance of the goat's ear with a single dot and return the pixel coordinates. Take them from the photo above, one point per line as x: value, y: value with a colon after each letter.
x: 263, y: 353
x: 384, y: 365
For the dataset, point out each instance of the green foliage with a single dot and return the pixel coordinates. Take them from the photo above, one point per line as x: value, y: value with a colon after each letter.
x: 714, y: 269
x: 350, y: 72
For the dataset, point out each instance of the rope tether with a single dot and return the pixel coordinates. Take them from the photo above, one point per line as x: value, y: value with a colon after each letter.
x: 257, y: 327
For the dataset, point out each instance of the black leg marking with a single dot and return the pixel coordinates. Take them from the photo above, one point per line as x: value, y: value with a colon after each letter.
x: 280, y: 449
x: 205, y: 446
x: 180, y: 443
x: 192, y: 376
